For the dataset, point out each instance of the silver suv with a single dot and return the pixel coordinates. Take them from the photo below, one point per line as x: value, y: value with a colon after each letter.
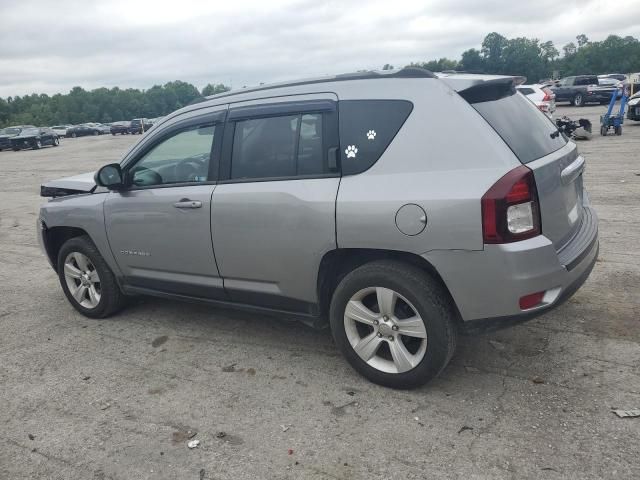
x: 402, y: 208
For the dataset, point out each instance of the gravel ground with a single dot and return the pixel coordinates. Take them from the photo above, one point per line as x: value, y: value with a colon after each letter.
x: 119, y: 398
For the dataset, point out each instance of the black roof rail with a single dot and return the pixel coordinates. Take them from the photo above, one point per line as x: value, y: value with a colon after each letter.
x: 407, y: 72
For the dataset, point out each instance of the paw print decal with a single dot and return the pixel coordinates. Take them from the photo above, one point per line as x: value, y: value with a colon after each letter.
x: 371, y: 134
x: 351, y: 151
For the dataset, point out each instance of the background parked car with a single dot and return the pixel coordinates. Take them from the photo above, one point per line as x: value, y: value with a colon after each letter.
x: 541, y: 96
x: 633, y: 112
x: 102, y: 128
x: 61, y: 130
x: 616, y: 76
x: 34, y: 138
x: 120, y: 127
x: 582, y: 89
x: 7, y: 133
x: 83, y: 130
x: 139, y: 125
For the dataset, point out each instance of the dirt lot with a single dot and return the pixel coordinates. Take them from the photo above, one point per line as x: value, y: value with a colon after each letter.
x: 117, y: 398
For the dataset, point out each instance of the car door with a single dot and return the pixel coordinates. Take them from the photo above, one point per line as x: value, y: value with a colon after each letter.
x: 569, y: 91
x: 159, y: 228
x: 45, y: 137
x: 273, y: 215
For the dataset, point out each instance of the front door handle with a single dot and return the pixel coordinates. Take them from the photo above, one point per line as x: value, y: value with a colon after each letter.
x: 186, y: 203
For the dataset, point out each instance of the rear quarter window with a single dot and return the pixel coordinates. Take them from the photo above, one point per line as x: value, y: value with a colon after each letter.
x: 527, y: 131
x: 367, y: 127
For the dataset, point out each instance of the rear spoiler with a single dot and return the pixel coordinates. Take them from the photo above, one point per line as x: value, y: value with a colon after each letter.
x: 489, y: 90
x: 482, y: 88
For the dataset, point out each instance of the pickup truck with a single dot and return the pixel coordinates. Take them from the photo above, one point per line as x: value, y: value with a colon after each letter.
x: 582, y: 89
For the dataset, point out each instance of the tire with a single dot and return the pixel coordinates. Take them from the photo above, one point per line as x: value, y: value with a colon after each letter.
x: 415, y: 290
x: 56, y: 142
x: 618, y: 130
x: 95, y: 132
x: 110, y: 298
x: 74, y: 135
x: 603, y: 131
x: 578, y: 100
x: 37, y: 145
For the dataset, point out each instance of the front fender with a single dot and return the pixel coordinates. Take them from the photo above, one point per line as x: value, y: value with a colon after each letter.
x: 84, y: 212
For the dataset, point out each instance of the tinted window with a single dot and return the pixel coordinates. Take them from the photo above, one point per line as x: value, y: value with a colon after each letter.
x: 586, y: 81
x: 367, y: 127
x: 525, y: 90
x: 527, y: 131
x: 283, y: 146
x: 183, y: 157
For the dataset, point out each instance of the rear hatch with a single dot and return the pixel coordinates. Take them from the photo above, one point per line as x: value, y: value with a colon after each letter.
x: 535, y: 140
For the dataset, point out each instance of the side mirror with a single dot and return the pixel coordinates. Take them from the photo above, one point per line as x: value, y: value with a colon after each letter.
x: 110, y: 176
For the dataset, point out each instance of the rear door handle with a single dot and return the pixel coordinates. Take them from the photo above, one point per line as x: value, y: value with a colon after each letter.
x: 572, y: 171
x: 186, y: 203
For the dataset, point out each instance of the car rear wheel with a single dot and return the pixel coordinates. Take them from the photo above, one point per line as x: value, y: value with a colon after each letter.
x: 87, y: 280
x: 578, y: 100
x: 56, y: 142
x: 393, y: 323
x: 74, y: 135
x: 95, y: 132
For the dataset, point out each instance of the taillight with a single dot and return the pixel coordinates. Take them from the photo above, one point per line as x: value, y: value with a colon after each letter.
x: 547, y: 95
x: 510, y: 209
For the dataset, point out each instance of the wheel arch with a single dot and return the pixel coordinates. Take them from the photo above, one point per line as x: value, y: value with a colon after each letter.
x: 337, y: 263
x: 55, y: 237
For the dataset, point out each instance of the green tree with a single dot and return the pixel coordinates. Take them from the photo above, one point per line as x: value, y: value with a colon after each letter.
x: 211, y: 89
x: 493, y: 46
x: 569, y: 49
x: 582, y: 40
x: 472, y: 61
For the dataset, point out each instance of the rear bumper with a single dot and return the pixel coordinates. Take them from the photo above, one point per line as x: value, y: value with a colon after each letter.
x: 597, y: 96
x: 487, y: 285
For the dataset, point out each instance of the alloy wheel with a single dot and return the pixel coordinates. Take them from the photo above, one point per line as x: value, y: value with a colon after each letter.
x: 82, y: 280
x: 385, y: 330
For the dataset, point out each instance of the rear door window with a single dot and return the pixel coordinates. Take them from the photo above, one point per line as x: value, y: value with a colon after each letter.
x: 279, y: 146
x: 367, y: 127
x: 526, y: 130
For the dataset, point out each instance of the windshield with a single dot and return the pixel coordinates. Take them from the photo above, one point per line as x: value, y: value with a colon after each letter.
x: 11, y: 131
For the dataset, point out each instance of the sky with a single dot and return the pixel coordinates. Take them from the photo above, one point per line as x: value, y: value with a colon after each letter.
x: 50, y: 46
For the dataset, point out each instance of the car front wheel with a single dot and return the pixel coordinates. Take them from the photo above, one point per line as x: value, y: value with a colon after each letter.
x: 87, y: 280
x: 394, y: 323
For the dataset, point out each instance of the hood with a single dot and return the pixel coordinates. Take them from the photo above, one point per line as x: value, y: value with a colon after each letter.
x: 83, y: 183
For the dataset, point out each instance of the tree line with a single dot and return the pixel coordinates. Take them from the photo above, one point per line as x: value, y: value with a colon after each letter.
x: 528, y: 57
x: 101, y: 105
x: 539, y: 60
